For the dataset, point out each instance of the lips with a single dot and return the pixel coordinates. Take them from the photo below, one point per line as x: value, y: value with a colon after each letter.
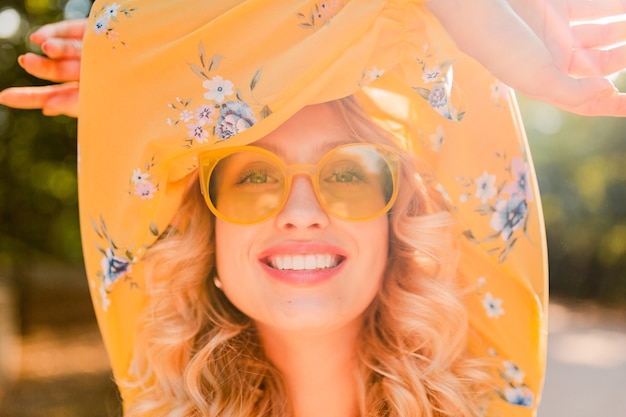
x: 304, y: 262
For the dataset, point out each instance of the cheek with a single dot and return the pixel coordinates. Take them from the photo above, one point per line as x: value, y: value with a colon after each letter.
x: 376, y: 240
x: 230, y: 248
x: 373, y: 253
x: 235, y: 268
x: 223, y: 243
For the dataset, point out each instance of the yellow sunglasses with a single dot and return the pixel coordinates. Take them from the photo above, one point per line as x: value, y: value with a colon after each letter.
x: 249, y: 184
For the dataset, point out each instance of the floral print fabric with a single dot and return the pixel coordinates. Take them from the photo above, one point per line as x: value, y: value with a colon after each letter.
x: 165, y: 80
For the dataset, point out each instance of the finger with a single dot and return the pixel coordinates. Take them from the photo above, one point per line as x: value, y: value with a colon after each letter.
x: 549, y: 20
x: 599, y: 35
x: 603, y: 106
x: 64, y: 102
x: 48, y: 69
x: 596, y: 62
x: 70, y: 29
x: 34, y: 97
x: 595, y: 9
x: 567, y: 92
x: 587, y: 96
x: 59, y: 48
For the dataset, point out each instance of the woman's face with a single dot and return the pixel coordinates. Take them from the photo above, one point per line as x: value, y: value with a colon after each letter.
x: 303, y: 270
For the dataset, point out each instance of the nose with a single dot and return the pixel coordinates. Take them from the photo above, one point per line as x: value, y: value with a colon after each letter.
x: 302, y: 210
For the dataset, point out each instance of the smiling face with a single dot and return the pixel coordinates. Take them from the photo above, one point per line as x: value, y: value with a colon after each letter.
x: 302, y: 269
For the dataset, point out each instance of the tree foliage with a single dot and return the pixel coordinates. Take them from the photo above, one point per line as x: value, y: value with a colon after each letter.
x: 581, y: 170
x: 38, y: 198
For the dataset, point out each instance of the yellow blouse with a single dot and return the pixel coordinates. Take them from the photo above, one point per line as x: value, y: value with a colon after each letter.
x: 164, y: 80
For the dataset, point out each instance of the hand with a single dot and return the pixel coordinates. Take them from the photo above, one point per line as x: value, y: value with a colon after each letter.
x: 61, y: 42
x: 532, y: 46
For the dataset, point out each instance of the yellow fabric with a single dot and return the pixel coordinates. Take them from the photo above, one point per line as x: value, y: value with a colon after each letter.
x: 150, y: 68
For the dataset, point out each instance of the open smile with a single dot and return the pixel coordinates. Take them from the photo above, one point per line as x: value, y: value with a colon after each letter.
x: 304, y: 262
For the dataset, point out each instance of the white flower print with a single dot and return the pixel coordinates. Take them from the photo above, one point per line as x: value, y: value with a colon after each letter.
x: 437, y: 139
x: 224, y: 111
x: 513, y: 372
x: 519, y: 396
x: 198, y: 132
x: 320, y: 13
x: 443, y: 193
x: 106, y: 20
x: 493, y: 306
x: 218, y: 88
x: 374, y: 74
x: 186, y: 115
x: 486, y: 187
x: 431, y: 75
x: 206, y: 113
x: 499, y: 91
x: 139, y: 176
x: 102, y: 23
x: 112, y: 10
x: 145, y: 189
x: 104, y: 298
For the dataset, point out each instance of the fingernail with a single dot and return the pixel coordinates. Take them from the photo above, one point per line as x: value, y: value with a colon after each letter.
x: 20, y: 60
x: 610, y: 91
x: 36, y: 37
x: 45, y: 47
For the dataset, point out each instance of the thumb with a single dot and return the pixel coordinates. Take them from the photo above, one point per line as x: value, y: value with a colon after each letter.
x: 569, y: 93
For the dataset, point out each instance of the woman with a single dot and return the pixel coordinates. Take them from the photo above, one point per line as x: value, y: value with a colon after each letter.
x: 182, y: 88
x: 325, y: 299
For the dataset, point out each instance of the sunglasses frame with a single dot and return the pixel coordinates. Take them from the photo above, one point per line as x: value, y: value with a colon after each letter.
x: 209, y: 160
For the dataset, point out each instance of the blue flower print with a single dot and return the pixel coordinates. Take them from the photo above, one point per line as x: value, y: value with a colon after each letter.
x: 234, y: 114
x: 509, y: 215
x: 521, y: 185
x: 438, y: 99
x: 113, y: 267
x: 106, y: 21
x: 101, y: 24
x: 235, y: 117
x: 521, y: 395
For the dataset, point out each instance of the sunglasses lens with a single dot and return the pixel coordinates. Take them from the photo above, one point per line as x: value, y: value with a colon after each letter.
x: 246, y: 187
x: 354, y: 182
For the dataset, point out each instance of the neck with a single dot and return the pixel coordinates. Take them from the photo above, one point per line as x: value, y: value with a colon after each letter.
x: 319, y: 370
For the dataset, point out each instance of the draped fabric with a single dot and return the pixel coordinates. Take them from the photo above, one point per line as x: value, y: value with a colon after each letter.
x: 164, y: 80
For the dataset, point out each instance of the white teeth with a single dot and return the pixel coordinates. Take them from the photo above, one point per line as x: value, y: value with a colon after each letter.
x: 303, y: 262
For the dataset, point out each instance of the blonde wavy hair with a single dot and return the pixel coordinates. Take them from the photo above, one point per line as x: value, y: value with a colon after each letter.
x: 197, y: 355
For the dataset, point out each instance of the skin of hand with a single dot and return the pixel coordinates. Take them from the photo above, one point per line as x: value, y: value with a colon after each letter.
x: 532, y: 46
x: 61, y: 42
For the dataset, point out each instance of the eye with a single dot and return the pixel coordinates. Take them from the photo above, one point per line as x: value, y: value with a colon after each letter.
x: 345, y: 176
x: 256, y: 176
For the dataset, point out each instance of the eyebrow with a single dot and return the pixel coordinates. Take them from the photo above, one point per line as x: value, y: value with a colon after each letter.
x: 322, y: 148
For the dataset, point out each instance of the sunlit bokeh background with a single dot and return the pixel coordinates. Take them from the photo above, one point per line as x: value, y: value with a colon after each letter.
x: 51, y: 358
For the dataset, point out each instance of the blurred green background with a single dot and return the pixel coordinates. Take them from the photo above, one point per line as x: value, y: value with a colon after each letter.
x: 581, y: 165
